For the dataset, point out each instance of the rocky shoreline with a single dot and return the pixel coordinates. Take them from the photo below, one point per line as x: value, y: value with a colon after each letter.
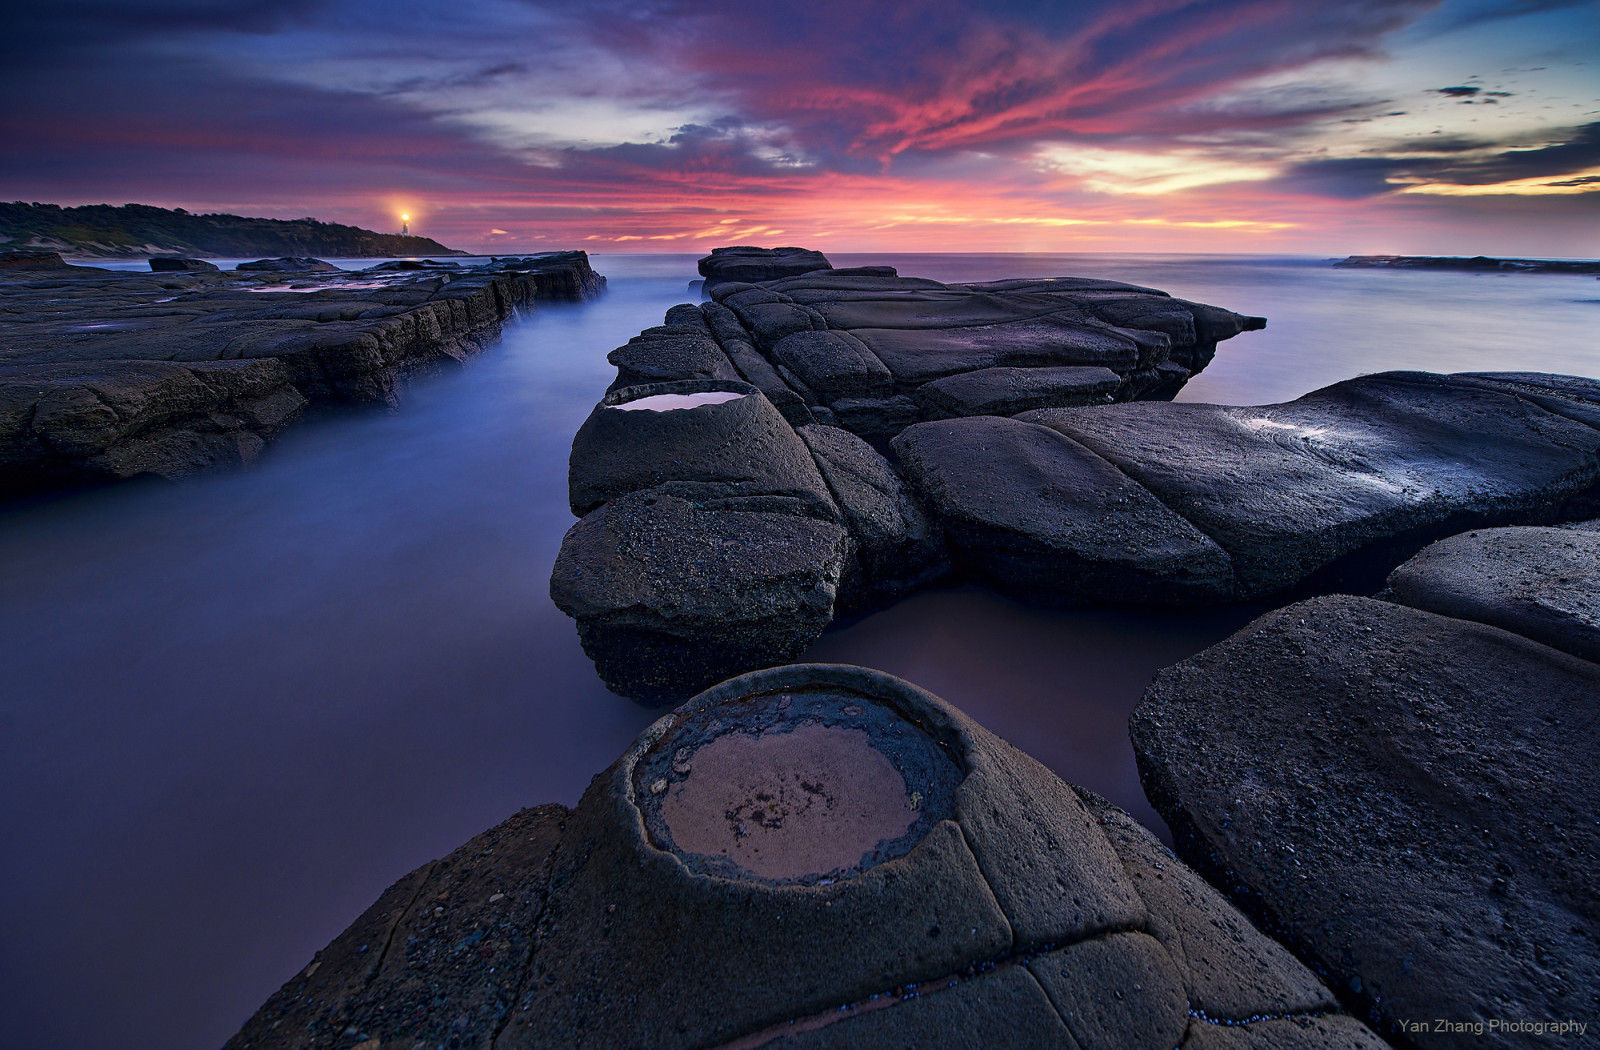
x: 1473, y: 264
x: 106, y: 375
x: 728, y: 514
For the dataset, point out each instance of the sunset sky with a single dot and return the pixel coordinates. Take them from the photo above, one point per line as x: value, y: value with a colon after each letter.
x: 1335, y: 126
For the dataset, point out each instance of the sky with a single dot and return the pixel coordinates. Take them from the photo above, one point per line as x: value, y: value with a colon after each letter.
x: 1335, y: 126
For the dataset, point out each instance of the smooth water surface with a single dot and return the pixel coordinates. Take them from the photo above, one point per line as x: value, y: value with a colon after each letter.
x: 234, y: 710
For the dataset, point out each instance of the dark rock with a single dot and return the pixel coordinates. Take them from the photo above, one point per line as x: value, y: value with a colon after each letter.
x: 1541, y: 583
x: 1007, y: 391
x: 113, y: 374
x: 1475, y: 264
x: 1001, y: 869
x: 747, y: 264
x: 1406, y: 800
x: 31, y: 259
x: 756, y: 369
x: 179, y: 264
x: 288, y: 265
x: 918, y: 356
x: 438, y: 959
x: 834, y: 365
x: 811, y: 856
x: 876, y: 416
x: 895, y: 549
x: 670, y: 352
x: 671, y: 593
x: 1031, y: 513
x: 1368, y: 470
x: 412, y: 265
x: 737, y: 446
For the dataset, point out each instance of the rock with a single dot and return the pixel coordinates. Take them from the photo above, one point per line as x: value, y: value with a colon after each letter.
x: 670, y: 352
x: 1008, y: 391
x: 1405, y: 799
x: 747, y: 264
x: 438, y: 959
x: 1349, y: 480
x: 834, y: 365
x: 719, y: 440
x: 31, y: 260
x: 114, y: 374
x: 895, y: 548
x: 179, y: 264
x: 288, y: 265
x: 1034, y: 514
x: 810, y: 856
x: 672, y: 594
x: 1541, y: 583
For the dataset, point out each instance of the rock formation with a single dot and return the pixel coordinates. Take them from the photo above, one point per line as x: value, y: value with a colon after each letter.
x: 108, y: 374
x: 811, y: 856
x: 1408, y: 799
x: 1128, y: 503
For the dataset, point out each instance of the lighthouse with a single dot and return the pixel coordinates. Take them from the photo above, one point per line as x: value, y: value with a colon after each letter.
x: 405, y: 225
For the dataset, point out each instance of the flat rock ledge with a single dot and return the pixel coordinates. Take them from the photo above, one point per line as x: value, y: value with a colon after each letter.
x: 109, y: 374
x: 1404, y: 791
x: 723, y: 526
x: 811, y: 856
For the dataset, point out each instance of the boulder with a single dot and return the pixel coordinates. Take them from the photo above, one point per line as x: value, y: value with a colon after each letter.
x: 670, y: 352
x: 672, y: 593
x: 287, y: 265
x: 1404, y: 799
x: 713, y: 439
x: 810, y: 856
x: 1039, y: 516
x: 895, y: 547
x: 834, y: 365
x: 179, y: 264
x: 1541, y: 583
x: 1008, y: 391
x: 1349, y: 480
x: 748, y: 264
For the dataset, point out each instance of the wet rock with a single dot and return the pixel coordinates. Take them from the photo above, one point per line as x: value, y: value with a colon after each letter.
x: 112, y: 374
x: 718, y: 440
x: 288, y: 265
x: 1541, y: 583
x: 1034, y: 514
x: 179, y: 264
x: 671, y: 593
x: 1405, y: 799
x: 1008, y: 391
x: 1351, y: 479
x: 895, y: 549
x: 670, y: 352
x: 834, y: 365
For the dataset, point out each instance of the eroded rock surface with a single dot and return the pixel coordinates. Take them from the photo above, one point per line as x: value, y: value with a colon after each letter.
x: 110, y: 374
x: 1541, y: 583
x: 1406, y: 799
x: 814, y: 856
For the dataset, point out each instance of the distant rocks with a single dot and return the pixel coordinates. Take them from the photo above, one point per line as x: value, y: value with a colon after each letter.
x: 1407, y: 799
x: 31, y: 260
x: 287, y: 265
x: 179, y: 264
x: 1474, y: 264
x: 812, y: 856
x: 113, y: 374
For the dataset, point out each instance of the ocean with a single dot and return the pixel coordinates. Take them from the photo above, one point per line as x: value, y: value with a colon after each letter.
x: 235, y: 709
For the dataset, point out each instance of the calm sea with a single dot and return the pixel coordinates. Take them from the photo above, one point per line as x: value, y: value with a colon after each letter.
x: 233, y: 710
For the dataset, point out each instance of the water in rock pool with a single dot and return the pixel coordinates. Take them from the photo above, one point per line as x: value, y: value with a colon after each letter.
x: 234, y: 710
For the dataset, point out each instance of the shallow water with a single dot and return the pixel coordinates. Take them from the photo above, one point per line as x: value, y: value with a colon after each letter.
x: 234, y: 710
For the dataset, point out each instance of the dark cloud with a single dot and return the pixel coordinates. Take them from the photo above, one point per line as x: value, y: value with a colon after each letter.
x: 1458, y: 92
x: 1471, y: 163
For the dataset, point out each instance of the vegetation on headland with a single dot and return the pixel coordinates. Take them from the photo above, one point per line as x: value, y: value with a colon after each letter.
x: 137, y: 230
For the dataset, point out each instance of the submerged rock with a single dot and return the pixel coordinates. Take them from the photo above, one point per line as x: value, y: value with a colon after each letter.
x: 288, y: 265
x: 1407, y: 800
x: 179, y: 264
x: 811, y: 856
